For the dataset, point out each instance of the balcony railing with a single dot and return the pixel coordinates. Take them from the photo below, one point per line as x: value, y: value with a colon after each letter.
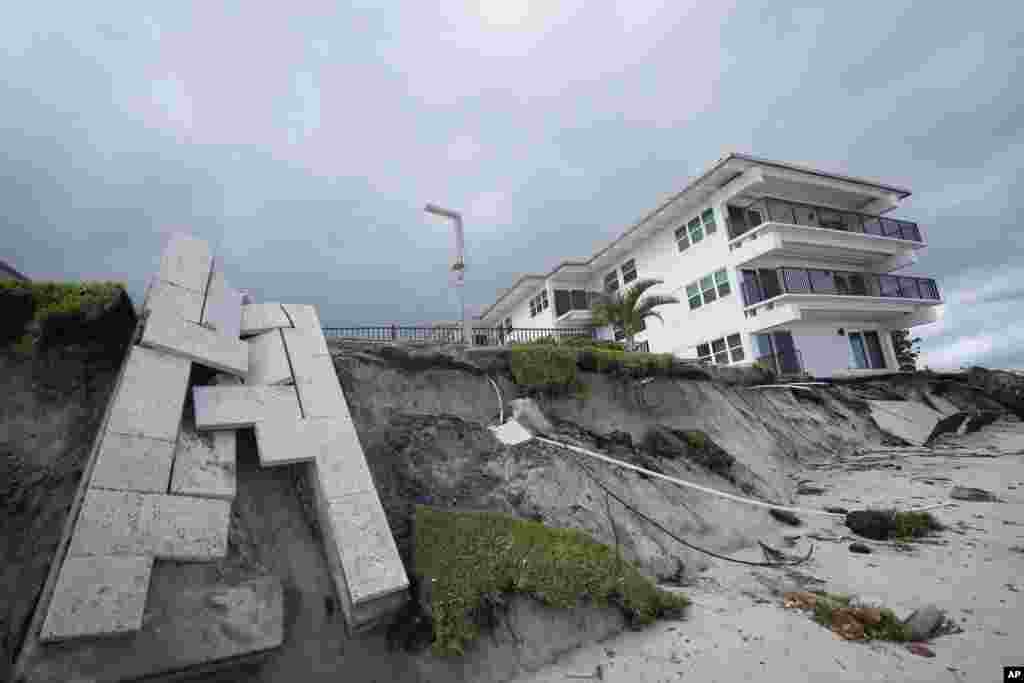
x: 782, y: 363
x: 487, y: 336
x: 770, y: 283
x: 742, y: 220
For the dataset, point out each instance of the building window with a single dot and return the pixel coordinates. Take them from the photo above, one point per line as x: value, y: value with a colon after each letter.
x: 718, y: 348
x: 722, y: 282
x: 696, y: 230
x: 682, y: 239
x: 735, y: 347
x: 628, y: 271
x: 644, y: 347
x: 611, y: 282
x: 704, y: 352
x: 693, y: 294
x: 619, y: 334
x: 707, y: 288
x: 539, y: 303
x: 708, y: 218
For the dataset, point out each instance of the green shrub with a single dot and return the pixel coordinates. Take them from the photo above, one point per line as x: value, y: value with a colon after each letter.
x: 548, y: 369
x: 70, y: 297
x: 476, y: 557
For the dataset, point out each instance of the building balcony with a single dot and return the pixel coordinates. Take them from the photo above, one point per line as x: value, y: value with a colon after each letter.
x: 778, y: 296
x: 573, y: 306
x: 766, y: 231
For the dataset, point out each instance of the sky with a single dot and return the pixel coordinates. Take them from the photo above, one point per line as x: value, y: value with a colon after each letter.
x: 303, y: 139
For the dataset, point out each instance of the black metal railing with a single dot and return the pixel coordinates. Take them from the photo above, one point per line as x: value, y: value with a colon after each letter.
x: 446, y: 334
x: 775, y: 281
x: 782, y: 363
x: 744, y: 219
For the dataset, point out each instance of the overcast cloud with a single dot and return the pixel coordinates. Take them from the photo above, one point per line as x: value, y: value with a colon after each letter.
x: 302, y: 139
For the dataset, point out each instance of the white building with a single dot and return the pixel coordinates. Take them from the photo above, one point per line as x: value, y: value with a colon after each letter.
x: 773, y: 263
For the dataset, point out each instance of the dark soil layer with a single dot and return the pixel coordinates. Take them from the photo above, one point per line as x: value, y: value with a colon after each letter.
x: 50, y: 410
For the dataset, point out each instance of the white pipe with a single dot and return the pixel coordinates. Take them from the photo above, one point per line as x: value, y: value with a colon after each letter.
x: 501, y: 403
x: 680, y: 482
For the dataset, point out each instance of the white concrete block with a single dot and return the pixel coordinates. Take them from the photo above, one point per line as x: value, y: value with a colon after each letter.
x: 186, y: 528
x: 168, y: 298
x: 268, y: 361
x: 227, y: 407
x: 151, y: 395
x: 223, y: 310
x: 341, y: 467
x: 196, y: 343
x: 186, y: 262
x: 166, y: 526
x: 258, y: 318
x: 98, y: 596
x: 909, y: 420
x: 110, y: 523
x: 133, y: 463
x: 308, y: 363
x: 204, y: 463
x: 322, y: 398
x: 369, y: 555
x: 303, y: 317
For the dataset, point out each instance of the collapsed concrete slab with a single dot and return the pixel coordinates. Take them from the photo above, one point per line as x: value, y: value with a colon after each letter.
x: 304, y: 317
x: 268, y: 361
x: 940, y: 404
x: 223, y: 310
x: 169, y: 298
x: 259, y: 318
x: 186, y: 262
x: 133, y: 463
x: 98, y: 596
x: 183, y: 628
x: 151, y: 395
x: 179, y: 337
x: 235, y: 407
x: 166, y: 526
x: 308, y: 363
x: 369, y: 556
x: 186, y: 528
x: 908, y: 420
x: 204, y: 463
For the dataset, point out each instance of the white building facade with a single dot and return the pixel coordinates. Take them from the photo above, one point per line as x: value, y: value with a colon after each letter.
x: 783, y: 265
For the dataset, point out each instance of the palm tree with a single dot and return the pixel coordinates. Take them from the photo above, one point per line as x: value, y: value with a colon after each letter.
x: 625, y: 312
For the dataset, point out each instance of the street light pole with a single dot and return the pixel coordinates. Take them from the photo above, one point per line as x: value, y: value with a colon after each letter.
x: 460, y: 263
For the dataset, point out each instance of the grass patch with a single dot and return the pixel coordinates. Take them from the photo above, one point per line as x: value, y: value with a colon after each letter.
x: 65, y: 297
x: 476, y: 557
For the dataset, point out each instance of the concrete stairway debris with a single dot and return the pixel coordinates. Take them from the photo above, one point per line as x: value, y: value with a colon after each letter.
x: 294, y: 400
x: 163, y: 481
x: 135, y: 510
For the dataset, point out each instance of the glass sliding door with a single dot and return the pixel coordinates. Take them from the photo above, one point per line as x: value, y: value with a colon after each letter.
x: 858, y: 352
x: 875, y: 354
x: 785, y: 348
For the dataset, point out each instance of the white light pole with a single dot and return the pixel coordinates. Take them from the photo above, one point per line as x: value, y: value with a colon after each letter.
x: 460, y: 263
